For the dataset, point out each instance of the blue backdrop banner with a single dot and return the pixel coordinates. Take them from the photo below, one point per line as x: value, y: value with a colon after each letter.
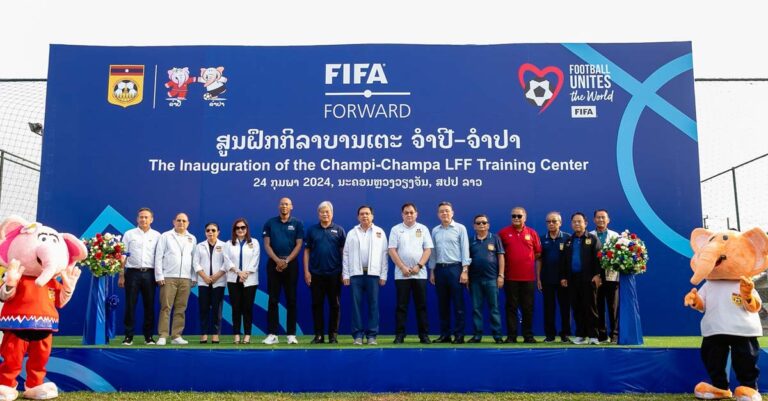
x: 223, y: 132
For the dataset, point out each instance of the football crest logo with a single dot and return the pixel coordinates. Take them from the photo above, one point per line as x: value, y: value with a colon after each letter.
x: 126, y: 85
x: 538, y: 88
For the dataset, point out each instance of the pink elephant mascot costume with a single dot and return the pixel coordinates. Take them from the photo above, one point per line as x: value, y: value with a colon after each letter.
x: 728, y: 260
x: 34, y: 255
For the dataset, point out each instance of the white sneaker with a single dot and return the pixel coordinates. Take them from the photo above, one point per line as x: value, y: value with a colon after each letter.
x: 160, y: 341
x: 358, y: 341
x: 578, y: 340
x: 271, y: 340
x: 372, y: 341
x: 292, y: 340
x: 594, y: 341
x: 179, y: 341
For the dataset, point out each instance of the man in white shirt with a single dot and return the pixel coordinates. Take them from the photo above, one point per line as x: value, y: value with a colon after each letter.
x: 364, y: 268
x: 608, y: 293
x: 174, y: 274
x: 410, y: 245
x: 138, y: 275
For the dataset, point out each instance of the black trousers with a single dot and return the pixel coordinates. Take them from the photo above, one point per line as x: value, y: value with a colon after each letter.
x: 584, y: 304
x: 138, y: 282
x: 555, y: 294
x: 608, y: 296
x: 210, y: 300
x: 285, y: 281
x: 744, y: 352
x: 406, y: 287
x: 519, y: 294
x: 326, y: 287
x: 241, y: 298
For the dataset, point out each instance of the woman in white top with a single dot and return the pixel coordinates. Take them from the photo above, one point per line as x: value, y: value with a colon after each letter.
x: 211, y: 264
x: 242, y: 277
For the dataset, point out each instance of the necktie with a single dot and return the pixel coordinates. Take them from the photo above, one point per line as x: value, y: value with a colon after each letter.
x: 241, y: 254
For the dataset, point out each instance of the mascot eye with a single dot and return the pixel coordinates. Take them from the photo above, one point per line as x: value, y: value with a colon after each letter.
x: 42, y: 237
x: 725, y: 238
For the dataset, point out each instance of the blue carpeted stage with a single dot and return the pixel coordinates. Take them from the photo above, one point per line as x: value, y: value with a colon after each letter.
x: 600, y: 369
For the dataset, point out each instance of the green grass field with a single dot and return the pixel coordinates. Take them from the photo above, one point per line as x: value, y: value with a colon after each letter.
x: 384, y: 342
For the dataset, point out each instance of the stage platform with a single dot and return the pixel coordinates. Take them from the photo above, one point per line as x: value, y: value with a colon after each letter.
x: 386, y: 368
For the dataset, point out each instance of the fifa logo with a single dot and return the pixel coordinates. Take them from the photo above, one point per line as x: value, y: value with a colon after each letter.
x: 367, y: 73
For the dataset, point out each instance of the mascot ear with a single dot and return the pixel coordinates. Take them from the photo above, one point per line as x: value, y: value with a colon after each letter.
x: 76, y: 249
x: 759, y: 242
x: 9, y: 229
x: 699, y: 238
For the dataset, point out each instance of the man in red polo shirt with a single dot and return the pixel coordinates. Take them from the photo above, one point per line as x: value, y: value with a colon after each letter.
x: 522, y: 258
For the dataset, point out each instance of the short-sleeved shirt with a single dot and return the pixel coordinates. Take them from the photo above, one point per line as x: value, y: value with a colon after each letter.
x: 410, y: 243
x: 552, y: 256
x: 521, y: 248
x: 283, y: 236
x: 484, y: 254
x: 325, y: 246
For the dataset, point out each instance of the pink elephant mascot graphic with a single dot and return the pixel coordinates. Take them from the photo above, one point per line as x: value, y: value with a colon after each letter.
x: 178, y: 82
x: 34, y: 255
x: 214, y: 81
x: 728, y: 260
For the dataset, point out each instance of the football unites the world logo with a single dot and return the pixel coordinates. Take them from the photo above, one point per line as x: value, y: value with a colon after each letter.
x: 540, y: 86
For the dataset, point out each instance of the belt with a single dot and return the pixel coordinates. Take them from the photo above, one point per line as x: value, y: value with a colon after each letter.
x: 141, y: 269
x: 441, y: 265
x: 365, y: 270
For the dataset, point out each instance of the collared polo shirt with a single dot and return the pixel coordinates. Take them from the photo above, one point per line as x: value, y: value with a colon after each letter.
x: 283, y: 236
x: 140, y: 247
x: 325, y: 246
x: 410, y: 243
x: 552, y: 256
x: 484, y: 254
x: 521, y: 248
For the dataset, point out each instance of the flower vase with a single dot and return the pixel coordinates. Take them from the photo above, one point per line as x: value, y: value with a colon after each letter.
x: 630, y: 329
x: 95, y: 330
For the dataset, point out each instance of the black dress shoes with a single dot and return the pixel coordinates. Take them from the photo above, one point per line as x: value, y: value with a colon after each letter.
x: 529, y: 340
x: 498, y: 340
x: 511, y: 339
x: 399, y: 339
x: 317, y: 340
x: 443, y: 340
x: 458, y: 340
x: 474, y: 340
x: 425, y: 340
x: 332, y: 339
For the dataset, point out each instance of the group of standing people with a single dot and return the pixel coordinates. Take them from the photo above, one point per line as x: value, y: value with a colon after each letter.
x: 564, y: 267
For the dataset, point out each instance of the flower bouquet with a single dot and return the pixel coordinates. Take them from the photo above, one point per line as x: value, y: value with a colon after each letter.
x: 625, y: 254
x: 104, y: 254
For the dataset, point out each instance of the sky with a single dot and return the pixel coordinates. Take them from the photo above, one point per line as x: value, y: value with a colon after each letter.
x: 727, y: 37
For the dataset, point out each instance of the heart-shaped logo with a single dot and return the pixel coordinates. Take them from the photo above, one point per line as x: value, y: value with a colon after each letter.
x: 538, y: 90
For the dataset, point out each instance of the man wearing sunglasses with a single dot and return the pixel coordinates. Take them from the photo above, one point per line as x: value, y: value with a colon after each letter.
x: 174, y: 274
x: 486, y: 276
x: 548, y: 279
x: 522, y: 259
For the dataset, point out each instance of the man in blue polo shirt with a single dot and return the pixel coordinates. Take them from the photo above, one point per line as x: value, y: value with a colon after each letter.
x: 548, y: 279
x: 322, y: 270
x: 486, y: 276
x: 283, y: 237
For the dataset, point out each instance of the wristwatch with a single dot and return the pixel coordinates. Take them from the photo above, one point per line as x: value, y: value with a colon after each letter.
x: 419, y: 265
x: 464, y: 269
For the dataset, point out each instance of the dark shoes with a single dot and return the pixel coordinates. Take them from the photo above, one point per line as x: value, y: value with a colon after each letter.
x: 511, y: 339
x: 317, y: 340
x: 399, y: 339
x: 498, y: 340
x: 614, y: 339
x: 425, y: 339
x: 458, y: 340
x: 474, y: 340
x: 332, y: 339
x: 443, y: 340
x: 549, y: 340
x: 530, y: 340
x: 565, y: 339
